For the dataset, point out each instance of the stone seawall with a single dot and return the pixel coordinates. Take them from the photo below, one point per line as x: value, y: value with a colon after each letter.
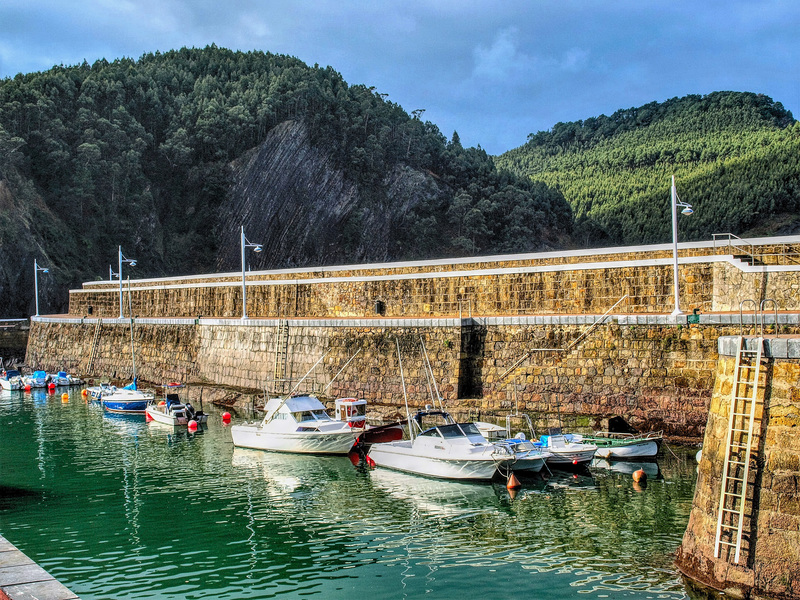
x: 656, y: 376
x: 769, y: 566
x: 711, y: 279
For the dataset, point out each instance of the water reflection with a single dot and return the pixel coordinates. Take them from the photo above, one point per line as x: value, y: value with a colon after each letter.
x: 116, y: 507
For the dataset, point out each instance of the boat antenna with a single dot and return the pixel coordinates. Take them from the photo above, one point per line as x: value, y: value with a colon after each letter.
x: 297, y: 385
x: 405, y: 396
x: 325, y: 389
x: 432, y: 378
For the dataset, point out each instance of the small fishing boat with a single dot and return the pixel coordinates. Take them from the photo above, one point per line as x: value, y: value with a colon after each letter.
x: 298, y: 424
x: 125, y: 400
x: 172, y: 410
x: 446, y: 450
x: 623, y: 445
x: 565, y: 450
x: 11, y: 380
x: 528, y: 458
x: 62, y: 378
x: 37, y: 379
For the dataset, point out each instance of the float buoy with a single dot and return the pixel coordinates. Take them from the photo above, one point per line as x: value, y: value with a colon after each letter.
x: 513, y: 482
x: 51, y: 386
x: 65, y: 397
x: 226, y: 417
x: 162, y: 403
x: 640, y: 476
x: 192, y: 425
x: 28, y: 388
x: 84, y: 392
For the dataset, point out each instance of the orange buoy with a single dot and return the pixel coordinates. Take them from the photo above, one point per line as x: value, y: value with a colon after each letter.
x: 65, y: 397
x: 84, y: 392
x: 639, y: 476
x: 513, y: 482
x: 162, y: 403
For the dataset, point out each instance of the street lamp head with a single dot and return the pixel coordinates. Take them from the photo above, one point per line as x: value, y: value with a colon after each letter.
x: 687, y: 211
x: 45, y: 270
x: 258, y: 249
x: 133, y: 263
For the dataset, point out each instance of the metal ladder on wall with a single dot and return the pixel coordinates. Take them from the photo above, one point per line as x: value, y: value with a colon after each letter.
x: 95, y: 343
x: 281, y: 353
x: 739, y: 446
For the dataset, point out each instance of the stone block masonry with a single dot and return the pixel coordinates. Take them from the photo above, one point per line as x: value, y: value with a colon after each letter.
x: 578, y: 283
x: 770, y: 563
x: 657, y: 376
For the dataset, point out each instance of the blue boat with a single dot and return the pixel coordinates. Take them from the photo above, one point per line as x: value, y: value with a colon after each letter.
x: 126, y: 400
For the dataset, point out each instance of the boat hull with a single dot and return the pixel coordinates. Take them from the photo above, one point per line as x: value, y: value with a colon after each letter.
x: 642, y: 449
x: 165, y: 417
x: 124, y: 406
x: 11, y: 385
x: 311, y: 442
x: 562, y: 456
x: 401, y: 456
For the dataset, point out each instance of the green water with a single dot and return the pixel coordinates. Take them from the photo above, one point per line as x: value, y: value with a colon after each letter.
x: 118, y: 509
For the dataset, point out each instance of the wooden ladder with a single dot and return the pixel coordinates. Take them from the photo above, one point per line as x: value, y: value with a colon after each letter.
x: 739, y: 447
x: 281, y: 353
x: 93, y: 351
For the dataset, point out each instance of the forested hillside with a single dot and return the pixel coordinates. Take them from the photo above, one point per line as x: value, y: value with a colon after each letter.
x: 155, y: 155
x: 735, y: 157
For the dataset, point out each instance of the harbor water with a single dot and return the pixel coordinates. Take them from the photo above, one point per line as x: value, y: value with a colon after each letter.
x: 114, y: 507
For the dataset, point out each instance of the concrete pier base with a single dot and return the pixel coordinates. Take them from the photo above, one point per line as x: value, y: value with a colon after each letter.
x: 23, y: 579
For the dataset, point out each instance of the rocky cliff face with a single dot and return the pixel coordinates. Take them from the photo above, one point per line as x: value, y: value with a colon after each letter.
x: 289, y: 186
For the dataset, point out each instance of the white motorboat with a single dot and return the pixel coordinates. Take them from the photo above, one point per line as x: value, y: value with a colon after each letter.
x: 298, y: 424
x: 172, y: 410
x: 623, y: 445
x: 62, y: 378
x: 528, y: 458
x: 565, y: 451
x: 447, y: 450
x: 37, y: 379
x: 11, y: 380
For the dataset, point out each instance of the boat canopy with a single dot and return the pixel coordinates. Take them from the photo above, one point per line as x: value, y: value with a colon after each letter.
x: 293, y: 405
x: 39, y: 374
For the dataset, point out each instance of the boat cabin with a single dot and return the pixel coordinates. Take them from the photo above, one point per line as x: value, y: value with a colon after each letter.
x: 351, y: 410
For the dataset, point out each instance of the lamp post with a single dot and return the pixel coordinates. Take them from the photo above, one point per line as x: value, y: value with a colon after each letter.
x: 687, y: 210
x: 256, y: 248
x: 131, y: 262
x: 36, y: 269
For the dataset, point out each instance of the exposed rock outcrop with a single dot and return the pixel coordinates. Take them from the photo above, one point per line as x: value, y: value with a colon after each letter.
x: 289, y: 185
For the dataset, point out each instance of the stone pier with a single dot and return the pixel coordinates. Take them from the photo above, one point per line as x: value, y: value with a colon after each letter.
x: 769, y: 564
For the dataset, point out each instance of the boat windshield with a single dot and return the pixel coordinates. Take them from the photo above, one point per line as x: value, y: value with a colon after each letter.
x: 311, y: 415
x: 458, y: 430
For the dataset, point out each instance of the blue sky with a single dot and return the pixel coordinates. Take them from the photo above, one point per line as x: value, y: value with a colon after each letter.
x: 493, y: 71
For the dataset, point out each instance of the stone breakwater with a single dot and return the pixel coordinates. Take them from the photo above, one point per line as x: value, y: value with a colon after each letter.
x: 655, y: 375
x: 712, y: 279
x: 769, y: 566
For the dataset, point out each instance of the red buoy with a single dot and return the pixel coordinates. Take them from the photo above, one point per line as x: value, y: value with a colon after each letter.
x: 513, y: 482
x: 51, y: 386
x: 192, y: 425
x: 226, y: 417
x: 28, y: 388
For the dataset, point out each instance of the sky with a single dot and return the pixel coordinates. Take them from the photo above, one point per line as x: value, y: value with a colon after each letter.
x: 492, y: 70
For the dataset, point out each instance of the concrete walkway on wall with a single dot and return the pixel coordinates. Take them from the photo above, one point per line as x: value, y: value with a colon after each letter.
x: 23, y: 579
